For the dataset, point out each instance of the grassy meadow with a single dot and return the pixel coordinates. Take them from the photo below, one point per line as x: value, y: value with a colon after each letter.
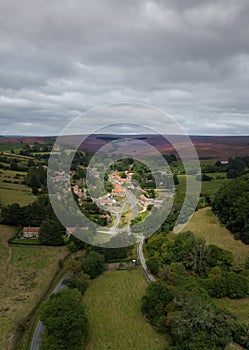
x: 8, y: 147
x: 25, y: 274
x: 207, y: 187
x: 113, y: 302
x: 206, y: 225
x: 14, y: 192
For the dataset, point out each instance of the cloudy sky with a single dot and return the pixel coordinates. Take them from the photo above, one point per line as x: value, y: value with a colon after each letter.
x: 188, y: 57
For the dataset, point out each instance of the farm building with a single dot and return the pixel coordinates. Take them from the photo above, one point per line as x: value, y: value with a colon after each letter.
x: 31, y: 232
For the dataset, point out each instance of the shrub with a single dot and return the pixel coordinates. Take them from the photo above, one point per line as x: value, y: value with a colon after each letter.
x: 153, y: 265
x: 241, y: 335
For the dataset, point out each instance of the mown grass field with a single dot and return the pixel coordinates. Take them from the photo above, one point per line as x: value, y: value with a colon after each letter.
x: 8, y: 147
x: 10, y: 196
x: 25, y: 274
x: 207, y: 187
x: 116, y: 323
x: 13, y: 192
x: 206, y: 225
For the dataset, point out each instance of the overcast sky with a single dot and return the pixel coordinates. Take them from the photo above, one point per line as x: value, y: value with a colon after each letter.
x: 189, y: 57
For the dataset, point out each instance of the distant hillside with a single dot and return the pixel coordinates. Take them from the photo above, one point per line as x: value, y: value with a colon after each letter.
x: 25, y: 139
x: 213, y: 147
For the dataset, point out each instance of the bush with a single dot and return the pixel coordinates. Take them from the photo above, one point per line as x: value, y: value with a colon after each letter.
x: 217, y: 256
x: 153, y: 265
x: 241, y: 335
x: 237, y: 286
x: 216, y: 287
x: 230, y: 285
x: 79, y: 281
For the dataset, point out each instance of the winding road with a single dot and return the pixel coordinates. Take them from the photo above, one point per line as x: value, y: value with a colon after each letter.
x: 36, y: 340
x: 147, y: 273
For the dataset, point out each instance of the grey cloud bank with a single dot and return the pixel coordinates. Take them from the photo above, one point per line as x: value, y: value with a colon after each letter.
x: 60, y: 58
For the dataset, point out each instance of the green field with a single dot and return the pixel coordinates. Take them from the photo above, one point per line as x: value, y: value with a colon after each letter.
x: 8, y: 147
x: 239, y: 307
x: 206, y: 225
x: 208, y: 187
x: 25, y: 274
x: 9, y: 197
x: 12, y: 192
x: 116, y: 323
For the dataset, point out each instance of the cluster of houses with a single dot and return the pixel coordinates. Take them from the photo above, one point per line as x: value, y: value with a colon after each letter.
x: 118, y: 182
x: 118, y: 191
x: 116, y: 178
x: 61, y: 176
x: 79, y: 193
x: 154, y: 201
x: 107, y: 201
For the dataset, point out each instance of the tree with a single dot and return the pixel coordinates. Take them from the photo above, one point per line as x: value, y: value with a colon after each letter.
x: 237, y: 286
x: 108, y: 186
x: 93, y: 264
x: 51, y: 233
x: 155, y: 301
x: 196, y: 322
x: 235, y: 167
x: 175, y: 179
x: 75, y: 244
x: 66, y: 322
x: 241, y: 335
x: 203, y: 177
x: 14, y: 165
x: 217, y: 256
x: 153, y: 265
x: 78, y: 280
x: 189, y: 250
x: 230, y: 284
x: 12, y: 214
x: 231, y: 206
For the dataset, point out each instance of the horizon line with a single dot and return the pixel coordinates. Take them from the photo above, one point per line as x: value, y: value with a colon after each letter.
x: 128, y: 134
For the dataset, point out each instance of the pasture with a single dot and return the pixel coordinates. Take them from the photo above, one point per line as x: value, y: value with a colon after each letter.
x: 25, y: 274
x: 11, y: 192
x: 205, y: 224
x: 116, y: 322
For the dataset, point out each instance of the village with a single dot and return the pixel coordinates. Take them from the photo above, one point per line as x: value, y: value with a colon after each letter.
x: 125, y: 199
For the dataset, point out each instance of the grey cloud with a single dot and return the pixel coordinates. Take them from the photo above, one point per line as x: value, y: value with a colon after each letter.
x: 60, y: 58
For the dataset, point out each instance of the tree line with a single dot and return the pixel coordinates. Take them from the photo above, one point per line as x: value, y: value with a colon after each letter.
x: 190, y: 273
x: 231, y: 205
